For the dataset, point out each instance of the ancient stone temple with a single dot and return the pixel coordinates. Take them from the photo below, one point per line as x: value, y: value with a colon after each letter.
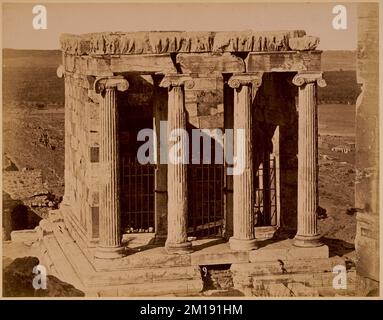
x: 126, y: 228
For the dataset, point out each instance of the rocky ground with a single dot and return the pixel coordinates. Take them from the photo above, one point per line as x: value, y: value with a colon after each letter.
x: 33, y: 165
x: 34, y: 139
x: 336, y: 193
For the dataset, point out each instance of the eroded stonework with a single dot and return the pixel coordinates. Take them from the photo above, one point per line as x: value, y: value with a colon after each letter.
x: 182, y: 42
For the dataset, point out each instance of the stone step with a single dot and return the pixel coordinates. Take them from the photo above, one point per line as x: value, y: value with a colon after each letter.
x: 138, y: 281
x: 165, y: 288
x: 279, y: 267
x: 62, y: 266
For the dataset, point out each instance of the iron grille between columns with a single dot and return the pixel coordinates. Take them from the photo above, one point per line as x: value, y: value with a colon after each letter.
x: 265, y: 206
x: 137, y: 196
x: 206, y: 197
x: 206, y: 200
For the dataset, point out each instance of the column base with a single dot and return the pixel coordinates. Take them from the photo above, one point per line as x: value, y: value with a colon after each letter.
x: 243, y: 244
x: 65, y: 201
x: 109, y: 252
x: 178, y: 248
x: 308, y: 241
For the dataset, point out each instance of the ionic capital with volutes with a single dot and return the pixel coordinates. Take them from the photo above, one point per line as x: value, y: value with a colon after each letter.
x: 177, y: 80
x: 246, y: 79
x: 303, y: 78
x: 111, y: 82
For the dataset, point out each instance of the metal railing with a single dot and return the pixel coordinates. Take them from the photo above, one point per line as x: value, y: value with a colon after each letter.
x: 265, y: 205
x: 206, y: 199
x: 205, y: 193
x: 137, y: 196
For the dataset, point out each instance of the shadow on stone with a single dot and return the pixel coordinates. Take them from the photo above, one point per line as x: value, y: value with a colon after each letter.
x: 131, y: 251
x: 17, y: 216
x: 217, y: 277
x: 338, y: 247
x: 208, y: 244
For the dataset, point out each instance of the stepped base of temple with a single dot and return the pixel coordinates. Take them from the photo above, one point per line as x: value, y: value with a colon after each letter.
x: 274, y: 269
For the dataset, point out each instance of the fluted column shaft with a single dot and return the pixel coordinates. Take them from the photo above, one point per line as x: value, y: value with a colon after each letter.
x: 307, y: 233
x: 110, y: 233
x: 176, y: 241
x: 246, y: 86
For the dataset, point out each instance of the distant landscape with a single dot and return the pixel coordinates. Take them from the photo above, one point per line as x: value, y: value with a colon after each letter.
x: 335, y: 60
x: 29, y: 77
x: 29, y: 74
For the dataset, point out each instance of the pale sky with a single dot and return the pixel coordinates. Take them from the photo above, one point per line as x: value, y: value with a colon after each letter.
x: 315, y: 19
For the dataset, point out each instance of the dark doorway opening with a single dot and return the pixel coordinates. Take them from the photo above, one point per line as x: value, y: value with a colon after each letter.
x: 136, y: 179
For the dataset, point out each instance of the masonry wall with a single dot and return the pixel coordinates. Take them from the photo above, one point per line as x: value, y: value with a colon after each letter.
x: 82, y: 144
x: 23, y: 184
x: 367, y: 150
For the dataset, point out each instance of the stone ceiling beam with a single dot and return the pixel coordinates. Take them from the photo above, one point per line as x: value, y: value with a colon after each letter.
x: 143, y: 64
x: 293, y: 61
x: 109, y: 65
x: 208, y: 63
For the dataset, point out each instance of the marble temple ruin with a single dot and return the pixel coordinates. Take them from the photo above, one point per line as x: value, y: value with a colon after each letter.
x: 118, y: 83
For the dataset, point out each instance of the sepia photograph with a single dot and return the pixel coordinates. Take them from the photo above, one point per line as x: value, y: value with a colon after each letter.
x: 190, y: 150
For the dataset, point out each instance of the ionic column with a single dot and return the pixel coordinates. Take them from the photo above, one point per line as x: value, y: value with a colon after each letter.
x: 176, y: 241
x: 307, y: 233
x: 109, y: 246
x: 246, y: 86
x: 228, y: 107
